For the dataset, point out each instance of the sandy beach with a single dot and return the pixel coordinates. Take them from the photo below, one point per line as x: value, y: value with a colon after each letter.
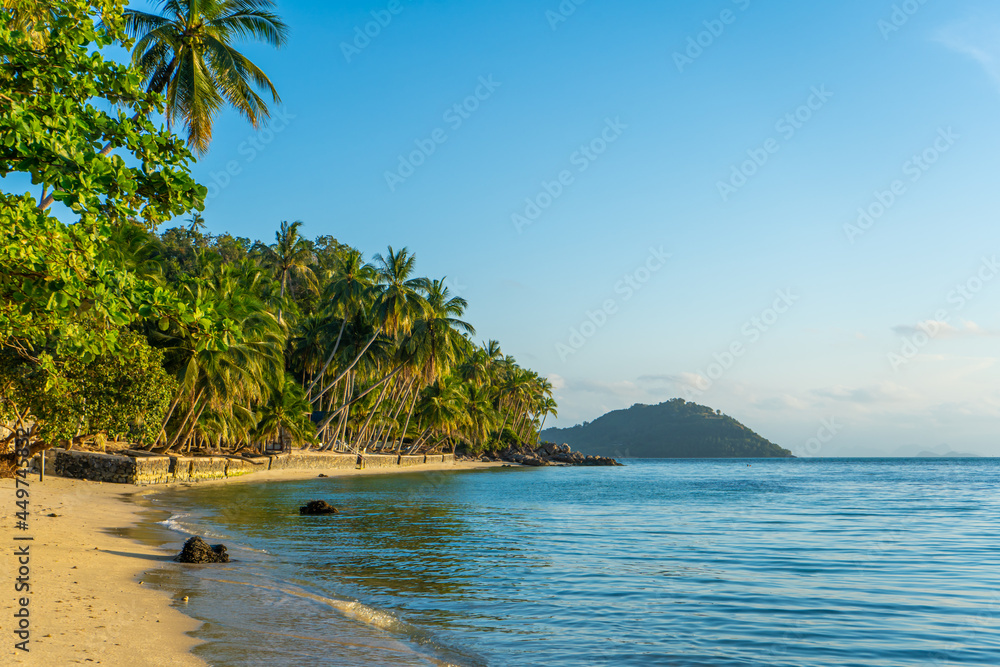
x: 87, y: 603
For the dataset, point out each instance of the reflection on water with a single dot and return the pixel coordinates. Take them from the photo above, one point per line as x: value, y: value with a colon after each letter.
x: 787, y: 562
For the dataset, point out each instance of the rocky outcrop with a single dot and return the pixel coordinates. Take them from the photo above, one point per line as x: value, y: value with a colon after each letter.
x: 197, y: 550
x: 549, y: 453
x: 317, y: 507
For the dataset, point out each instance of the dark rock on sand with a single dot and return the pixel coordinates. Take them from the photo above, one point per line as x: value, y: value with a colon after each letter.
x: 197, y: 550
x: 314, y: 507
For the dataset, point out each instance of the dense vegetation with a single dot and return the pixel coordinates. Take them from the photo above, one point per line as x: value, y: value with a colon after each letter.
x: 675, y: 429
x: 180, y: 340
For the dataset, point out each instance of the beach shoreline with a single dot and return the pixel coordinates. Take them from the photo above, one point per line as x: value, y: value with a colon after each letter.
x: 87, y: 600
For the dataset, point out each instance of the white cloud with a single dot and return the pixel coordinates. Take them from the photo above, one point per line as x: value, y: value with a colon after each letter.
x: 882, y: 392
x: 940, y: 329
x: 978, y: 39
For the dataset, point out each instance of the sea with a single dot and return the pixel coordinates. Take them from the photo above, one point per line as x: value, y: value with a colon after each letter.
x: 725, y: 562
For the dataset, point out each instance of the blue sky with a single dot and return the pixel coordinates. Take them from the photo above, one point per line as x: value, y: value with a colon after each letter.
x: 852, y: 336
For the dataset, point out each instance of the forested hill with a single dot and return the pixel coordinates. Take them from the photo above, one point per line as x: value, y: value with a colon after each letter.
x: 675, y: 429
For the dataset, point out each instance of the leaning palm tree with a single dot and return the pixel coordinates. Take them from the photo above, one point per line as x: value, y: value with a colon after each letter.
x: 186, y: 53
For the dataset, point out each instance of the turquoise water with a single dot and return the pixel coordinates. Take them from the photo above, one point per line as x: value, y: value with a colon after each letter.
x: 725, y: 562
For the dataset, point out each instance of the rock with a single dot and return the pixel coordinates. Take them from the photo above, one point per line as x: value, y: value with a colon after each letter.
x: 197, y: 550
x: 322, y: 475
x: 315, y: 507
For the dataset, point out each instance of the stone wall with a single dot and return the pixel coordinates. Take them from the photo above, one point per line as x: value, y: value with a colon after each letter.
x: 142, y: 470
x: 317, y: 461
x: 208, y: 467
x: 180, y: 469
x: 407, y: 461
x: 92, y: 466
x: 152, y: 470
x: 414, y: 460
x: 237, y: 467
x: 380, y: 460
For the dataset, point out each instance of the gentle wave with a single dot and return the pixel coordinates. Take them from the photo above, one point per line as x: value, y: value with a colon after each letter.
x: 785, y: 563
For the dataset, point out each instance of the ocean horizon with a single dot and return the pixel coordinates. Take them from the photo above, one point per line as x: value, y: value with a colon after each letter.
x: 803, y: 562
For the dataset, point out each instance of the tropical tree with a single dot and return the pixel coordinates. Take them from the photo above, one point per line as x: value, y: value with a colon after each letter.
x: 186, y: 52
x: 290, y: 256
x: 63, y: 295
x: 286, y: 414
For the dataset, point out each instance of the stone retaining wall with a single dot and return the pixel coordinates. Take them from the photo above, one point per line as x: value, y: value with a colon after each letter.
x: 407, y: 461
x: 142, y: 470
x: 380, y: 460
x: 208, y: 467
x: 318, y: 461
x: 152, y: 470
x: 93, y: 466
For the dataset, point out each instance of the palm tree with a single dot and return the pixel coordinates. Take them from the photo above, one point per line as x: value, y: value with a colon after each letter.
x: 186, y: 53
x: 32, y: 16
x: 196, y: 222
x: 290, y: 255
x: 286, y: 414
x: 350, y: 282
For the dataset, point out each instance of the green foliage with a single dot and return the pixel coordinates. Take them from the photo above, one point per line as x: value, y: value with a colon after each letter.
x: 286, y: 414
x: 121, y: 395
x: 250, y: 338
x: 53, y: 276
x: 188, y: 55
x: 674, y: 429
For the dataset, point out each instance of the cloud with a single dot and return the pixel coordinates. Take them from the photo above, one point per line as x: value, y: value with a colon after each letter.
x: 978, y: 39
x: 940, y: 329
x: 883, y: 392
x: 780, y: 402
x: 678, y: 382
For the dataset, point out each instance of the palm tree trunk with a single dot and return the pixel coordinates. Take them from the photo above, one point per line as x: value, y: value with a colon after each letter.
x: 163, y: 426
x: 413, y: 404
x: 363, y: 394
x: 398, y: 394
x: 281, y: 304
x: 329, y: 359
x: 353, y: 363
x: 378, y: 402
x: 180, y: 429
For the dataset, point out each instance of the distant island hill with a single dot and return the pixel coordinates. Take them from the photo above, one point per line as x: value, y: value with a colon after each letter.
x: 675, y: 429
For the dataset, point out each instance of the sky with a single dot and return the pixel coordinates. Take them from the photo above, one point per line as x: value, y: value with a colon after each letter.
x: 783, y: 210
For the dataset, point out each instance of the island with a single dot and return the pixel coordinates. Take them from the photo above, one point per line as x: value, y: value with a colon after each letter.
x: 674, y: 429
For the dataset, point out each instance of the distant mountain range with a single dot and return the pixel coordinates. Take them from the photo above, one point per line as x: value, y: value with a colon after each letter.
x: 675, y: 429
